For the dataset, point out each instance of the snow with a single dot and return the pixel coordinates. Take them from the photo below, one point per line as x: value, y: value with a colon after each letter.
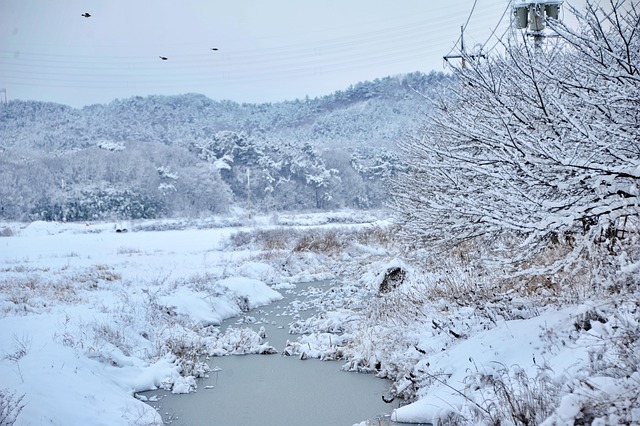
x: 72, y: 297
x: 195, y: 305
x: 255, y: 291
x: 513, y: 343
x: 90, y: 317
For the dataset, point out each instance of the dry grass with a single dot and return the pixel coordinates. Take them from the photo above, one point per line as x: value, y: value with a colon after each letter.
x: 188, y: 351
x: 34, y: 293
x: 33, y: 290
x: 315, y: 240
x: 329, y: 241
x: 23, y: 269
x: 10, y: 407
x: 470, y: 274
x: 128, y: 250
x: 96, y: 274
x: 509, y: 396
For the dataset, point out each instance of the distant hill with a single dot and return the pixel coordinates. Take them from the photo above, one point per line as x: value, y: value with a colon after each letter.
x: 367, y: 112
x: 301, y: 152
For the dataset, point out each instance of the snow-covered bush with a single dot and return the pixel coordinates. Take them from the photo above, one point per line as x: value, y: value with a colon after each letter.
x: 537, y: 149
x: 522, y: 192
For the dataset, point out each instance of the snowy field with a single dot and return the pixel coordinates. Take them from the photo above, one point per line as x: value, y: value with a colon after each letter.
x: 90, y: 317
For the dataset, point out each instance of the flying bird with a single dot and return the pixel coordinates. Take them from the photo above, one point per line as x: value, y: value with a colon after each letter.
x: 214, y: 48
x: 164, y: 58
x: 86, y: 15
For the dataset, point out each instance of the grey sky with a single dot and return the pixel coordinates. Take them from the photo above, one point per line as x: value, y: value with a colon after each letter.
x: 268, y: 50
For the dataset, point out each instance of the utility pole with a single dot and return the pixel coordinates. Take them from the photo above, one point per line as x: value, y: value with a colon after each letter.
x: 463, y: 54
x: 3, y: 96
x: 532, y: 16
x: 249, y: 191
x: 64, y: 201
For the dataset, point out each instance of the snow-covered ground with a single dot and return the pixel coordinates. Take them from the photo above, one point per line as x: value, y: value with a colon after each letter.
x: 89, y: 317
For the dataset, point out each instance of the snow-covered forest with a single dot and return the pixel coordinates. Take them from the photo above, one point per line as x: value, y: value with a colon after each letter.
x: 188, y: 155
x: 499, y: 285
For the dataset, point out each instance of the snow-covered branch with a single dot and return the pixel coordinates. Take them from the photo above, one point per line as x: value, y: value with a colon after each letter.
x: 535, y: 144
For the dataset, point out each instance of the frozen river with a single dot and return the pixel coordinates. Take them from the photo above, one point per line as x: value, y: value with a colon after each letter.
x: 274, y: 389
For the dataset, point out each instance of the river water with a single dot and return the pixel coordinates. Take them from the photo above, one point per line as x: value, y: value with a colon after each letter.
x: 266, y: 390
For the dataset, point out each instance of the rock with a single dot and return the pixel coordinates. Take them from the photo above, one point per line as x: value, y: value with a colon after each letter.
x: 393, y: 277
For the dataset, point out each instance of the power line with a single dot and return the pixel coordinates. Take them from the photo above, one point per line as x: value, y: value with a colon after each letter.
x: 405, y: 33
x: 498, y: 40
x: 194, y: 64
x: 463, y: 28
x: 371, y: 38
x: 504, y: 13
x: 398, y: 45
x: 480, y: 53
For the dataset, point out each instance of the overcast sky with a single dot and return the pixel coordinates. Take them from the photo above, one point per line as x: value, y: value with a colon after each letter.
x: 268, y: 50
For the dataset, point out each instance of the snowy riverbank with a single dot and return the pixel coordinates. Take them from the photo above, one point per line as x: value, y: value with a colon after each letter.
x: 90, y: 317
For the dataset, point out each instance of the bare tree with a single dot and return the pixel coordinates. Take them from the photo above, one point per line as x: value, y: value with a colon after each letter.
x: 535, y: 147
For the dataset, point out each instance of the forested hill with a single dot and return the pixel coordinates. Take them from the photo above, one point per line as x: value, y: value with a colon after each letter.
x: 190, y: 155
x: 365, y: 113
